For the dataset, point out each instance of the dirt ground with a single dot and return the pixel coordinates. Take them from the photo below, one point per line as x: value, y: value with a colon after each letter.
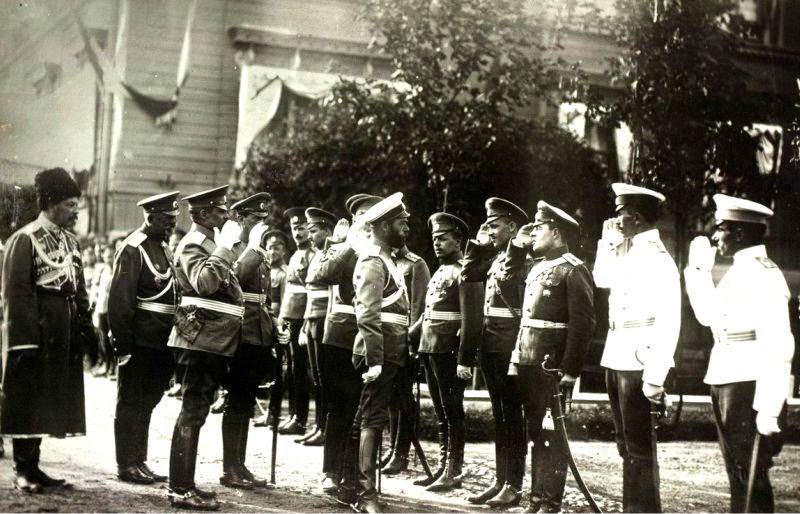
x: 692, y: 474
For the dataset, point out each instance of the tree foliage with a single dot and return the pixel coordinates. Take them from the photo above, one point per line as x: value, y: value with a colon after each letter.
x: 453, y: 126
x: 687, y: 103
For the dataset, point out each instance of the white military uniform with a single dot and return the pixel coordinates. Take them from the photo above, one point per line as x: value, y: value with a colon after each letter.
x: 644, y: 308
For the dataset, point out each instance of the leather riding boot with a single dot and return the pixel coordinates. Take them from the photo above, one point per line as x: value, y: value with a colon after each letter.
x: 487, y: 494
x: 367, y: 455
x: 192, y: 500
x: 453, y: 475
x: 347, y: 488
x: 442, y: 465
x: 318, y: 439
x: 393, y: 423
x: 399, y: 460
x: 285, y: 422
x: 232, y: 474
x: 244, y: 430
x: 182, y: 458
x: 311, y: 432
x: 509, y: 496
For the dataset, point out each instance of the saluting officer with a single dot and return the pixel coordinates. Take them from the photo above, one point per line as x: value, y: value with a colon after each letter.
x: 320, y: 226
x: 293, y: 306
x: 450, y: 324
x: 749, y: 370
x: 141, y: 314
x: 46, y: 323
x: 644, y: 313
x: 556, y: 328
x: 341, y: 380
x: 403, y: 408
x: 484, y: 260
x: 208, y: 324
x: 253, y: 359
x: 381, y: 346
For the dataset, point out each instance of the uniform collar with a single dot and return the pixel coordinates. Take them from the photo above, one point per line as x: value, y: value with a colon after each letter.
x: 47, y: 224
x: 751, y: 252
x: 555, y: 253
x: 646, y: 236
x: 203, y: 230
x: 454, y: 259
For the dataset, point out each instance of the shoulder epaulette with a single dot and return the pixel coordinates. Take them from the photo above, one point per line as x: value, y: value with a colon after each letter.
x: 572, y: 259
x: 766, y: 262
x: 135, y: 239
x: 412, y: 256
x: 195, y: 237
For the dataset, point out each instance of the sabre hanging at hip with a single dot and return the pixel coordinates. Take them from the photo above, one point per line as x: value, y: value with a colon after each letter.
x: 561, y: 428
x: 278, y: 387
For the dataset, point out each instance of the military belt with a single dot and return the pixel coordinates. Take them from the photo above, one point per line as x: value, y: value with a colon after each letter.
x: 541, y: 323
x: 254, y: 297
x: 632, y: 323
x: 443, y: 315
x: 318, y: 293
x: 340, y: 308
x: 213, y: 305
x: 161, y: 308
x: 295, y: 288
x: 501, y: 312
x: 397, y: 319
x: 743, y: 336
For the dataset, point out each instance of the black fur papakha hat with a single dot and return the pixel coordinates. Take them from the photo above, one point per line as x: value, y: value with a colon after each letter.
x: 53, y: 186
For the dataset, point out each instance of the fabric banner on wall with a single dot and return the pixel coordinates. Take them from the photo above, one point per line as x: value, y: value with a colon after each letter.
x: 266, y: 95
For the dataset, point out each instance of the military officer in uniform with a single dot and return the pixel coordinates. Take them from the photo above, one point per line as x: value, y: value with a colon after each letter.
x: 403, y: 408
x: 208, y: 324
x: 141, y: 314
x: 341, y: 380
x: 275, y: 245
x: 46, y: 323
x: 253, y: 358
x: 320, y: 227
x: 451, y: 322
x: 749, y: 370
x: 293, y: 306
x: 484, y: 260
x: 381, y: 348
x: 644, y: 321
x: 556, y: 328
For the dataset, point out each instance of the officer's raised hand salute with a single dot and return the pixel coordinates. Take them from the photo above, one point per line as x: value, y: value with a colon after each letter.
x: 749, y: 367
x: 644, y: 322
x: 207, y: 332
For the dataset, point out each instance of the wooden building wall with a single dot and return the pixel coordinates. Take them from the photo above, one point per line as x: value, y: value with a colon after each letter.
x: 198, y: 151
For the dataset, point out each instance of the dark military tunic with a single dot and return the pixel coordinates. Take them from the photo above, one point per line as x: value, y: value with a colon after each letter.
x: 205, y: 272
x: 452, y: 317
x: 502, y: 308
x: 141, y: 314
x: 293, y: 305
x: 142, y: 297
x: 46, y: 313
x: 255, y: 277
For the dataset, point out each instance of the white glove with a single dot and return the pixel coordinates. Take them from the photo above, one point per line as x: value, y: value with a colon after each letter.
x: 701, y: 254
x: 256, y: 233
x: 464, y: 372
x: 372, y: 373
x: 654, y: 393
x: 228, y: 236
x: 283, y: 333
x: 513, y: 370
x: 340, y: 230
x: 123, y: 360
x: 358, y: 237
x: 483, y: 237
x: 767, y: 425
x: 302, y: 339
x: 612, y: 233
x: 524, y: 237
